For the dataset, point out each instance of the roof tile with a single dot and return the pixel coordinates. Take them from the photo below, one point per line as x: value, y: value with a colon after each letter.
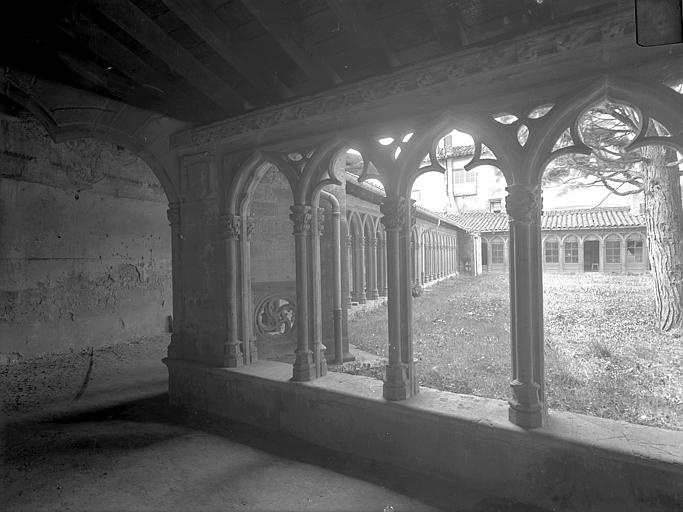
x: 589, y: 218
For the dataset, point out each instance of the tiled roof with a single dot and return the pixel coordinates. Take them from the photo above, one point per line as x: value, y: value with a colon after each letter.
x: 588, y: 218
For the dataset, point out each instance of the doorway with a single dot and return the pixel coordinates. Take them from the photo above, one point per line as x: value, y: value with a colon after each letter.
x: 591, y: 256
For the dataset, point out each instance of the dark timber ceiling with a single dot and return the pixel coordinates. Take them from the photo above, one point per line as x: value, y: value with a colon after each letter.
x: 206, y: 60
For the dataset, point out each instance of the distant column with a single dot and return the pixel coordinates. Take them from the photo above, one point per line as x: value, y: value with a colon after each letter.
x: 362, y: 271
x: 373, y: 292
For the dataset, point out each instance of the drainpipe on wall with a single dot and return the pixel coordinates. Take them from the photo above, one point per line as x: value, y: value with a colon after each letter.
x: 336, y: 284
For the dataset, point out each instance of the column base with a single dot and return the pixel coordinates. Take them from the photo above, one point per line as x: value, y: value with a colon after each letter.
x: 304, y: 366
x: 175, y: 348
x: 232, y: 355
x: 526, y: 410
x: 397, y: 384
x: 253, y: 352
x: 373, y: 295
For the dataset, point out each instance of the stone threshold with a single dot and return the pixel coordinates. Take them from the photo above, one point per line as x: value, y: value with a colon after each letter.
x: 573, y: 462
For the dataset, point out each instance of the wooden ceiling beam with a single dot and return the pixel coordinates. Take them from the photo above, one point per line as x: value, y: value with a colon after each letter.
x: 144, y: 30
x: 128, y: 63
x: 199, y: 17
x: 287, y: 32
x: 353, y: 20
x: 448, y: 29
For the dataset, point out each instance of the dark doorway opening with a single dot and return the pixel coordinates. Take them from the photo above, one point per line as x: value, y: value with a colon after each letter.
x: 591, y: 256
x: 484, y: 254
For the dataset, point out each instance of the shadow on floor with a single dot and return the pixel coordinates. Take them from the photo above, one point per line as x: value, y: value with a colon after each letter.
x: 76, y: 439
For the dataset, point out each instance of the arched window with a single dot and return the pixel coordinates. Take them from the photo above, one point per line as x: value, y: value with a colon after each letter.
x: 497, y: 251
x: 634, y: 249
x: 612, y: 249
x: 571, y: 250
x: 552, y: 250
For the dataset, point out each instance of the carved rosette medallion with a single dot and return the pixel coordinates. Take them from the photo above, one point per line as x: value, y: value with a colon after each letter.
x: 394, y: 210
x: 523, y: 203
x: 275, y: 317
x: 232, y: 226
x: 301, y: 217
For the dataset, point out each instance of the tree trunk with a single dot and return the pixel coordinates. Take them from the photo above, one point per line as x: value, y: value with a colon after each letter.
x: 664, y: 223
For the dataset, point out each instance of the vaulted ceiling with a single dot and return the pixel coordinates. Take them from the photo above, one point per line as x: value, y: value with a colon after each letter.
x: 206, y: 60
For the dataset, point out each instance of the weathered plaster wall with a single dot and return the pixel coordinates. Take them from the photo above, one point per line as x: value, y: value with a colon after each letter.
x: 84, y: 243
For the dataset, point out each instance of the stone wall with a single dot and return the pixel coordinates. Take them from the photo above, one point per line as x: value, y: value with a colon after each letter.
x: 84, y: 243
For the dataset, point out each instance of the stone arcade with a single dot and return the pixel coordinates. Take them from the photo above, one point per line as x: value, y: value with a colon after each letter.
x: 393, y: 115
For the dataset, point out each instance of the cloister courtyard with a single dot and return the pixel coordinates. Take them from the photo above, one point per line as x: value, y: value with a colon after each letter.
x: 603, y: 355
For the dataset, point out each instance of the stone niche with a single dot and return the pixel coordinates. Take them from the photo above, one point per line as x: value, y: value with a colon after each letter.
x: 85, y: 254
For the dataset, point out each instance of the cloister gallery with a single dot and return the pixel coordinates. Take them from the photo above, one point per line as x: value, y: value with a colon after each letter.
x: 253, y: 169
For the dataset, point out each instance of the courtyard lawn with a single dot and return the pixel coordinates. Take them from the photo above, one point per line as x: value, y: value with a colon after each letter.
x: 603, y: 356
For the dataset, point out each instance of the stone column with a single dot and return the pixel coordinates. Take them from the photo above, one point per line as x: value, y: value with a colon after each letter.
x: 304, y: 365
x: 315, y: 327
x: 397, y: 382
x: 349, y: 269
x: 383, y: 255
x: 175, y: 348
x: 247, y: 304
x: 373, y: 292
x: 232, y: 228
x: 526, y: 305
x: 362, y: 271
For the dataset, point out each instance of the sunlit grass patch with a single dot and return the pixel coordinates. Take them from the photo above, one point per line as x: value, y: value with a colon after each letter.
x: 603, y: 355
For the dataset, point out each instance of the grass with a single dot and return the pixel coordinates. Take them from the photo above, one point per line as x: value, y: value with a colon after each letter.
x: 603, y: 356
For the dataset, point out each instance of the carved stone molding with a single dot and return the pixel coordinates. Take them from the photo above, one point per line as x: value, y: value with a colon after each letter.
x: 301, y: 217
x: 321, y: 221
x: 349, y: 241
x: 523, y: 203
x: 394, y: 212
x: 374, y: 243
x: 452, y: 68
x: 232, y: 226
x: 250, y: 227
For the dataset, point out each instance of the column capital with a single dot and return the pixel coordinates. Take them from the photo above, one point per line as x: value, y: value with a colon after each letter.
x: 232, y: 226
x: 394, y: 210
x: 362, y: 241
x: 301, y: 217
x: 173, y: 215
x: 523, y: 202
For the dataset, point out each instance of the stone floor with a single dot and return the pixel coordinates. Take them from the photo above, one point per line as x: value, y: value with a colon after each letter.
x: 84, y: 432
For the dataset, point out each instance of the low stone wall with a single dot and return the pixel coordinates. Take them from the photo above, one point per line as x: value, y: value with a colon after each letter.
x: 575, y: 462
